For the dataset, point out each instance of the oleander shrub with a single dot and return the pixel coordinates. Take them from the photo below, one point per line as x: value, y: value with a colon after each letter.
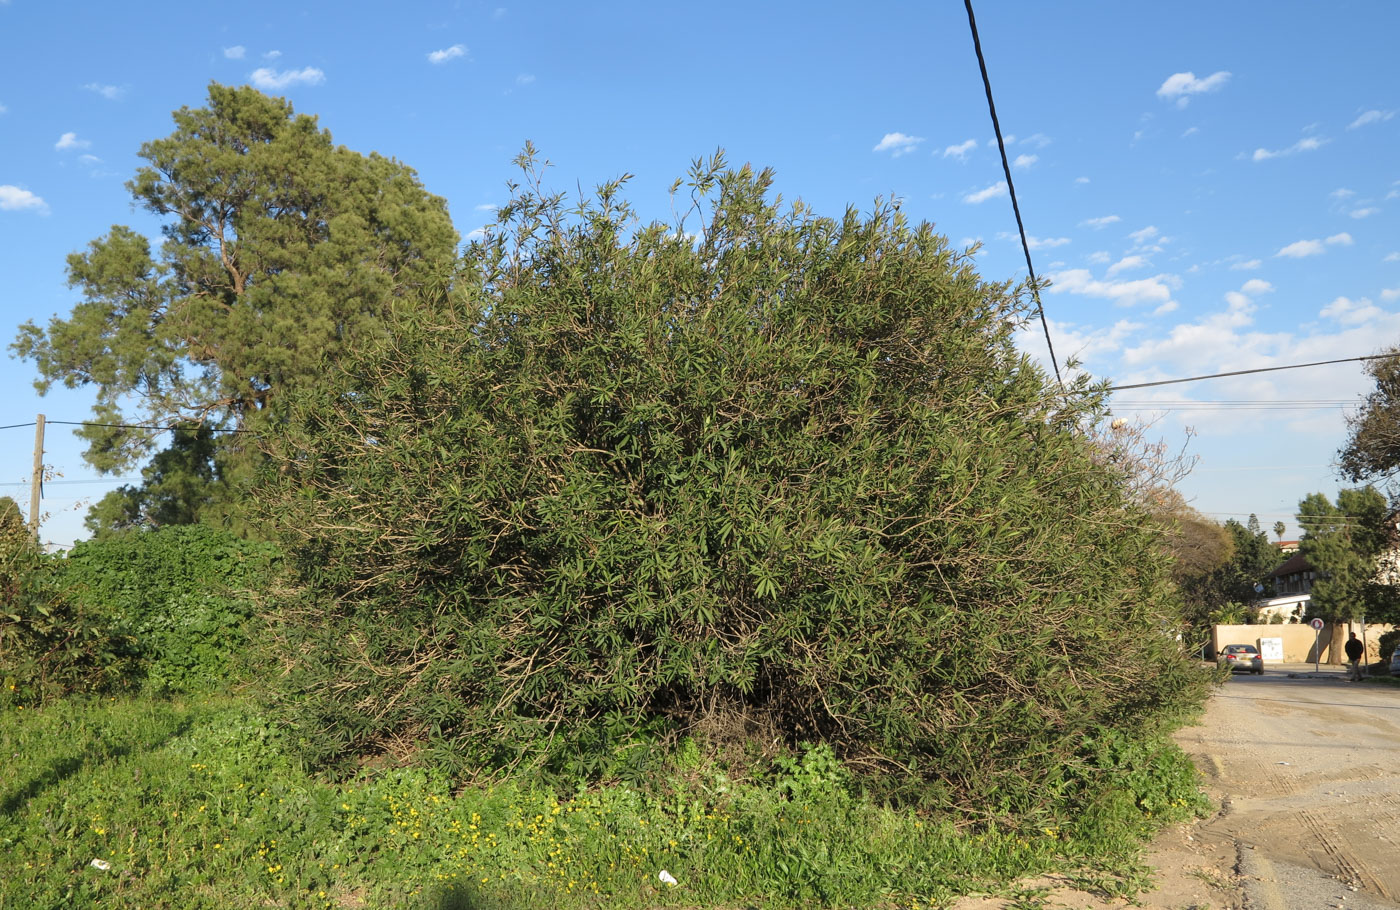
x: 787, y: 479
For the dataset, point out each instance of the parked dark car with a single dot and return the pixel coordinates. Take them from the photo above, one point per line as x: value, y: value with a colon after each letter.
x: 1241, y: 659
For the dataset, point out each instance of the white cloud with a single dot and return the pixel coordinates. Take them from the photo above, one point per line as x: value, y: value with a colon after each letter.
x: 1390, y: 294
x: 1025, y: 161
x: 1100, y: 257
x: 1046, y: 243
x: 1100, y: 222
x: 1144, y: 235
x: 959, y: 152
x: 1370, y: 117
x: 1126, y: 263
x: 991, y: 192
x: 897, y: 144
x: 1077, y: 342
x: 14, y: 199
x: 236, y: 52
x: 3, y: 109
x: 1306, y: 144
x: 1342, y: 239
x: 1342, y: 192
x: 487, y: 207
x: 70, y: 141
x: 1256, y: 286
x: 525, y: 79
x: 1351, y: 312
x: 1165, y: 308
x: 110, y: 92
x: 1391, y: 257
x: 1190, y: 131
x: 272, y: 55
x: 89, y: 159
x: 1081, y: 179
x: 1366, y: 212
x: 447, y: 53
x: 1039, y: 140
x: 1155, y: 290
x: 1247, y: 265
x: 271, y: 80
x: 1210, y: 342
x: 1301, y: 248
x: 1179, y: 87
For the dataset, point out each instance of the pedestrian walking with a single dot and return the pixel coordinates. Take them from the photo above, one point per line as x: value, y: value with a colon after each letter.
x: 1354, y: 651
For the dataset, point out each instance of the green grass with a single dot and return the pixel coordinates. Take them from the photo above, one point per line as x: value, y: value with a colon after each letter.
x: 195, y: 804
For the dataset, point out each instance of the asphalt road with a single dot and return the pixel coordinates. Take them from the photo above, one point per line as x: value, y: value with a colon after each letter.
x: 1307, y: 772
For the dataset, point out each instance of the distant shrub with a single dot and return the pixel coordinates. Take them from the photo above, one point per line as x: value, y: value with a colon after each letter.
x: 51, y: 645
x: 180, y: 594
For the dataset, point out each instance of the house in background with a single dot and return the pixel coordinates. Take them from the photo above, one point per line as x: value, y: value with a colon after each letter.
x: 1292, y: 584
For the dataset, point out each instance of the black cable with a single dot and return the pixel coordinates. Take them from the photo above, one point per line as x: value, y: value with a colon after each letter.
x: 126, y: 426
x: 15, y: 426
x: 1291, y: 366
x: 1011, y: 188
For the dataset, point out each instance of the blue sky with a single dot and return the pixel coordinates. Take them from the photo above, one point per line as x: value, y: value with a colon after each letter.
x: 1210, y: 186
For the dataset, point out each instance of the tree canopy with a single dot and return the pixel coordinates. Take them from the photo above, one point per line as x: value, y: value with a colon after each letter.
x: 783, y: 479
x: 280, y: 248
x: 1373, y: 450
x: 1342, y: 541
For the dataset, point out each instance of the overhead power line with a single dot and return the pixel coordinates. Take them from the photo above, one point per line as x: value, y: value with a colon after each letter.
x: 1291, y: 366
x: 1011, y: 188
x: 130, y: 426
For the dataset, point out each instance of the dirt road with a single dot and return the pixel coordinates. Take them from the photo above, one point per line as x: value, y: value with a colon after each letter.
x: 1307, y: 774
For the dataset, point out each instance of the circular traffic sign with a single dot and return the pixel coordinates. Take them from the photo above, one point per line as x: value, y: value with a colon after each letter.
x: 1316, y: 624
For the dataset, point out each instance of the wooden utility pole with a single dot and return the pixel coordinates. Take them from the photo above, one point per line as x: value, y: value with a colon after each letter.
x: 36, y: 483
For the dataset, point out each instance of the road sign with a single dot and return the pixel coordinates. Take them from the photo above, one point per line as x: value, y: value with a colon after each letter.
x: 1316, y: 623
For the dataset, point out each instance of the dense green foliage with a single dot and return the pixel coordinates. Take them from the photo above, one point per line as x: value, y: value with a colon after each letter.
x: 280, y: 248
x: 199, y: 805
x: 1223, y: 589
x: 1342, y: 541
x: 789, y: 480
x: 49, y: 645
x: 182, y: 595
x: 181, y: 484
x: 169, y: 609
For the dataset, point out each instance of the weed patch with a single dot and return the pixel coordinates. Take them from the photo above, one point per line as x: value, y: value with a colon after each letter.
x: 198, y: 803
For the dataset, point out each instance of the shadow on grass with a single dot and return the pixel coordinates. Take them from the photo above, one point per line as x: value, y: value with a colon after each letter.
x: 61, y: 769
x: 458, y: 896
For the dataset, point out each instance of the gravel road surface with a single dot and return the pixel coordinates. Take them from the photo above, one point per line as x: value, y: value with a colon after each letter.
x: 1306, y: 771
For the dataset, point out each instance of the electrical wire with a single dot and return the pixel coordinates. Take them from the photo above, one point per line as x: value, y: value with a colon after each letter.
x: 130, y: 426
x: 1011, y: 188
x: 60, y: 483
x: 1291, y: 366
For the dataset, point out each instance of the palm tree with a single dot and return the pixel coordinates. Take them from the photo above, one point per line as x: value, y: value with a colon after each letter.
x: 1279, y: 529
